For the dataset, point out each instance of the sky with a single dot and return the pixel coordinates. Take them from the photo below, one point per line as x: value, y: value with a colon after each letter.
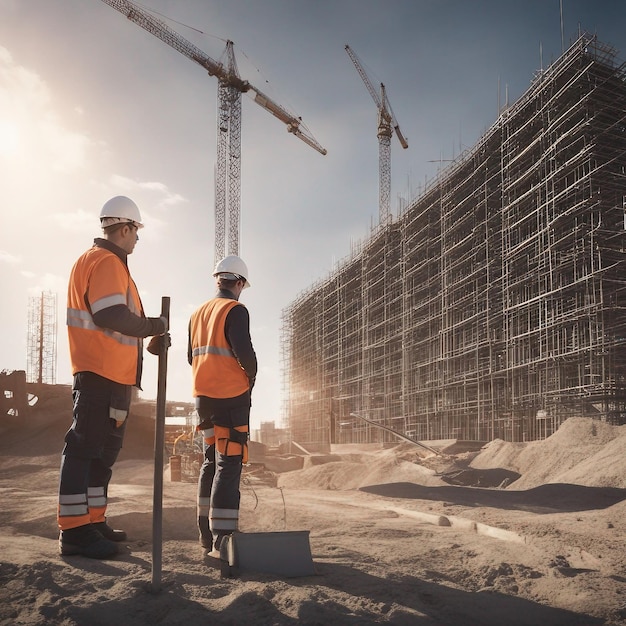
x: 93, y: 106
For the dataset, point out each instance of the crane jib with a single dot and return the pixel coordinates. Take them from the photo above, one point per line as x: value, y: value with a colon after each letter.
x: 230, y: 88
x: 226, y: 75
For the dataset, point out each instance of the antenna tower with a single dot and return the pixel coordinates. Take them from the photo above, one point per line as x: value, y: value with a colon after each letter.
x: 41, y: 359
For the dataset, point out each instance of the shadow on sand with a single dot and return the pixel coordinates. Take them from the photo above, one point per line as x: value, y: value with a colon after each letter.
x: 549, y: 498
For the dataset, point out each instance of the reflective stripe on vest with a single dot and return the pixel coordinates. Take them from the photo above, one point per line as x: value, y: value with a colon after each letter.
x: 106, y: 302
x: 83, y: 319
x: 216, y: 371
x: 212, y: 350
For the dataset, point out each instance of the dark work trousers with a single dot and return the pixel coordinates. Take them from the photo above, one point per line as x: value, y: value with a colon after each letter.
x: 220, y: 474
x: 205, y: 484
x: 92, y: 445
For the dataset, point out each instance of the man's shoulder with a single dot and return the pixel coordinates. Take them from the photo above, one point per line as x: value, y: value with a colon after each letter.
x: 96, y: 252
x: 102, y: 265
x: 91, y: 255
x: 204, y: 306
x: 214, y: 306
x: 218, y: 301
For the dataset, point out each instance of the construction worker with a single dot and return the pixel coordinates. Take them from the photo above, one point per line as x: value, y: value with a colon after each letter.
x: 224, y: 367
x: 106, y: 324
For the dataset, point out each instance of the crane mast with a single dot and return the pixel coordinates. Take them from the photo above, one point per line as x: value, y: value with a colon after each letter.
x: 230, y: 88
x: 387, y: 124
x: 228, y: 179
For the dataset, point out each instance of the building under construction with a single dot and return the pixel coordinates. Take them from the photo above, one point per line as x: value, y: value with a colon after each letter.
x: 494, y: 306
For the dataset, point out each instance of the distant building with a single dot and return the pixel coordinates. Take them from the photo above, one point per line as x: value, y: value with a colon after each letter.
x: 271, y: 436
x: 495, y: 305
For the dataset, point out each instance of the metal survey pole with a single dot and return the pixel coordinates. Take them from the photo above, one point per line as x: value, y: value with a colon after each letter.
x: 159, y: 443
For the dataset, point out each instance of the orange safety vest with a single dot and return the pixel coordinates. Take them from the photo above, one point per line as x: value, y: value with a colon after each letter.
x: 100, y: 279
x: 216, y: 371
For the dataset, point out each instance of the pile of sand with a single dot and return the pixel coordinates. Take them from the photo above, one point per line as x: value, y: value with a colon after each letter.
x: 582, y: 451
x: 360, y: 471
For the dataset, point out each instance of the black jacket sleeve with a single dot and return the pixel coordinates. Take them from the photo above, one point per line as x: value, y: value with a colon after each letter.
x: 121, y: 319
x: 238, y: 336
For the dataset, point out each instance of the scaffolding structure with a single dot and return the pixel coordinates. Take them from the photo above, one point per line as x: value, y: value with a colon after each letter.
x: 41, y: 361
x: 495, y: 305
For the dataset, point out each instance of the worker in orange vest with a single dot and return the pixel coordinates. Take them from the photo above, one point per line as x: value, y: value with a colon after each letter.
x: 224, y: 368
x: 106, y: 325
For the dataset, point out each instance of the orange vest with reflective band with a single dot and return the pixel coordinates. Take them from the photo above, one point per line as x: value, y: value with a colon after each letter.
x: 100, y: 279
x: 216, y: 371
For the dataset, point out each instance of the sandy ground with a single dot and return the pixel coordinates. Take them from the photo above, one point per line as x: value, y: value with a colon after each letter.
x: 391, y: 540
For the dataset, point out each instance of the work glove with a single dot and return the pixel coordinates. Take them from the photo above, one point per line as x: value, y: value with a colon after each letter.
x: 159, y: 343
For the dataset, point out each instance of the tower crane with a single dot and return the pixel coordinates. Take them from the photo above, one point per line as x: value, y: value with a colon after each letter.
x: 230, y: 88
x: 386, y: 122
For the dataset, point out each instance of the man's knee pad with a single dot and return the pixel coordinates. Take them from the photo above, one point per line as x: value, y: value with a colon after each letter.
x: 232, y: 441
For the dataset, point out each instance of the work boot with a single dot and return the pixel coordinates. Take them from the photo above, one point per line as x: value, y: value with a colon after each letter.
x: 86, y: 541
x: 206, y: 542
x: 109, y: 533
x: 217, y: 541
x: 206, y: 536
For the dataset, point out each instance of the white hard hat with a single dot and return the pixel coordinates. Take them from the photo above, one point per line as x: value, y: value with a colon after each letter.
x: 120, y: 209
x: 234, y: 266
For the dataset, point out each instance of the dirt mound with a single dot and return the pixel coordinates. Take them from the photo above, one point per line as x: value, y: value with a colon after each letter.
x: 498, y: 453
x: 41, y: 431
x: 582, y: 451
x: 364, y: 470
